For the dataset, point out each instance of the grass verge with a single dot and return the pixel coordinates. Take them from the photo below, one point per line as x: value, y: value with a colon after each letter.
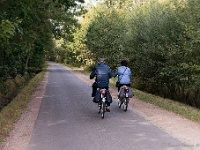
x: 12, y: 112
x: 171, y: 105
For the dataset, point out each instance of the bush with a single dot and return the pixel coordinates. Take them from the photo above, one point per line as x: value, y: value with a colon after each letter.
x: 10, y: 88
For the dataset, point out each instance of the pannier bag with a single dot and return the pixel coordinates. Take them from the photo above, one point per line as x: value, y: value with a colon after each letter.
x: 97, y: 97
x: 108, y: 96
x: 122, y: 95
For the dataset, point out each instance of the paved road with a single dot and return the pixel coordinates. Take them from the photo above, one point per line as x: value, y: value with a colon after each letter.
x: 69, y: 120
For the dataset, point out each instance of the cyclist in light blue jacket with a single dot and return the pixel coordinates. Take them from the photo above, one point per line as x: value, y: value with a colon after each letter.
x: 124, y: 74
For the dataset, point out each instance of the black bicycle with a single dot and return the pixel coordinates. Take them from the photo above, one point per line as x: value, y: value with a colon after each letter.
x: 102, y: 103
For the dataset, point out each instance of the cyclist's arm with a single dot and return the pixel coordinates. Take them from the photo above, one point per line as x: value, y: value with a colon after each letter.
x: 110, y: 74
x: 93, y: 74
x: 115, y: 74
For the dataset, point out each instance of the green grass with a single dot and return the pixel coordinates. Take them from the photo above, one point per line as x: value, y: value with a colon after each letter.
x: 1, y: 141
x: 171, y: 105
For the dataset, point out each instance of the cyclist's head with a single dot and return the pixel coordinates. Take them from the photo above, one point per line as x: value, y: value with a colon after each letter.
x: 101, y: 60
x: 124, y: 63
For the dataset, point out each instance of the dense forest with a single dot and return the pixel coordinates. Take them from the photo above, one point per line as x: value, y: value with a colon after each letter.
x: 159, y: 38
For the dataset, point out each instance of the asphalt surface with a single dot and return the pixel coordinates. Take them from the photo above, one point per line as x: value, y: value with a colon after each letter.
x: 69, y: 120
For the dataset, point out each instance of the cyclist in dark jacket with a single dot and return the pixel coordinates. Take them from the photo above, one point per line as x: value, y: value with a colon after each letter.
x: 102, y: 73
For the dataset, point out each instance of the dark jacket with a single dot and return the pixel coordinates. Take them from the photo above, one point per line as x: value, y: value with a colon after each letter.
x: 102, y: 73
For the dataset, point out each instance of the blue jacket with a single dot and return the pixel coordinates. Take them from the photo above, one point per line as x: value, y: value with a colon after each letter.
x: 102, y: 73
x: 124, y: 76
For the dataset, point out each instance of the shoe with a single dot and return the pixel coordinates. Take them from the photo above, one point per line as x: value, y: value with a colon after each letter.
x: 94, y: 100
x: 107, y: 109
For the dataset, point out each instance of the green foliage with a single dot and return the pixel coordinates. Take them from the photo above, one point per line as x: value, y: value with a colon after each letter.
x: 77, y: 53
x: 105, y: 37
x: 159, y: 38
x: 163, y: 59
x: 27, y: 29
x: 7, y: 29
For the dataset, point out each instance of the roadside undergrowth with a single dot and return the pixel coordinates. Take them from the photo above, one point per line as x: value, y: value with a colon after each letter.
x: 12, y: 112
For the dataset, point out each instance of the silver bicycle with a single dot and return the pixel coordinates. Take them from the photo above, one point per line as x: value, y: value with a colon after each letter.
x: 123, y: 99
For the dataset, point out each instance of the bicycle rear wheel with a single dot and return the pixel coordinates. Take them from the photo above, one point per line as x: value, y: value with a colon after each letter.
x: 119, y: 103
x: 103, y: 109
x: 99, y: 106
x: 125, y: 106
